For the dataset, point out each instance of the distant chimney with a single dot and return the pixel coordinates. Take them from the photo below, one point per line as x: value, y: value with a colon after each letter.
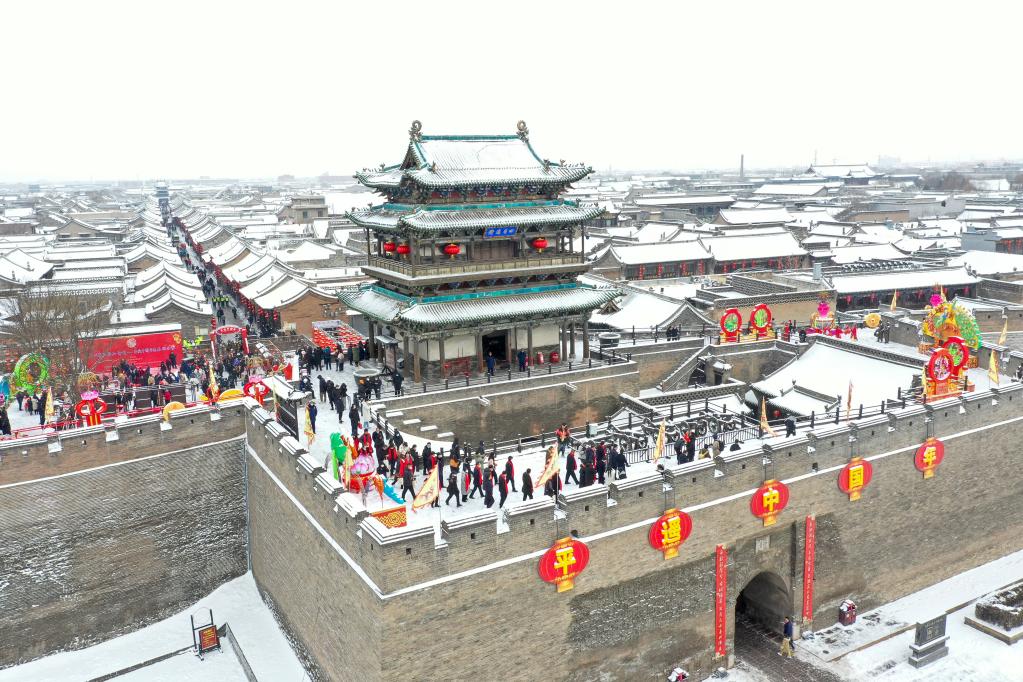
x: 818, y: 272
x: 742, y: 166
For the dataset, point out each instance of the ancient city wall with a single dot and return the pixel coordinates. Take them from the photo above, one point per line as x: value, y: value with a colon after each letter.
x: 93, y: 552
x: 631, y: 612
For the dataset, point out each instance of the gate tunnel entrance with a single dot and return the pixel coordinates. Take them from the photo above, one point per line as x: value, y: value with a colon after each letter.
x: 764, y: 602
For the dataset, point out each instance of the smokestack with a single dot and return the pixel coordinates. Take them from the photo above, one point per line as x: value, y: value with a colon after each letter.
x: 742, y: 166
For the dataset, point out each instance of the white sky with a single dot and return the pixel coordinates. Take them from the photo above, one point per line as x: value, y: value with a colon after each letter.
x: 103, y: 90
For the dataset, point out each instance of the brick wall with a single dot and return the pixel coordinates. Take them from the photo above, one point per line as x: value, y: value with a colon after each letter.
x: 98, y: 552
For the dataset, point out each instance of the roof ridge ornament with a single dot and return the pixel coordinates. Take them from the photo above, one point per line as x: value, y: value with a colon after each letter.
x: 415, y: 133
x: 523, y: 131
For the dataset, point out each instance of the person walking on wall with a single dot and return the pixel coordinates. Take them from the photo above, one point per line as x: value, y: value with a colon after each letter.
x: 453, y: 489
x: 527, y: 486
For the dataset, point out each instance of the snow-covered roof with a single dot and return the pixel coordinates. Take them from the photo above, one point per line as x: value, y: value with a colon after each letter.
x: 639, y: 309
x: 990, y: 262
x: 900, y: 279
x: 754, y: 216
x: 865, y: 252
x: 791, y: 189
x: 668, y: 252
x: 692, y: 200
x: 755, y: 246
x: 21, y: 267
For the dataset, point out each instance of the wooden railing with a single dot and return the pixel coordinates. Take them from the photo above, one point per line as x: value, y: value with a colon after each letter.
x: 458, y: 267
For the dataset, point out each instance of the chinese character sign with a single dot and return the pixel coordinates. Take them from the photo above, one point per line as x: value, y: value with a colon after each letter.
x: 563, y: 562
x: 809, y: 556
x: 929, y: 456
x: 768, y: 501
x: 492, y: 232
x: 854, y: 477
x: 669, y: 532
x: 720, y: 601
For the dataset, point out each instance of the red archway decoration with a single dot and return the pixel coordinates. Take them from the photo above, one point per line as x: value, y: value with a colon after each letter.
x: 92, y: 410
x: 731, y: 324
x: 959, y: 352
x: 761, y: 318
x: 256, y: 389
x: 229, y: 329
x: 941, y: 366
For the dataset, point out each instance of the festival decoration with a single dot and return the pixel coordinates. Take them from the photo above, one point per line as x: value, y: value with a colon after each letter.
x: 720, y: 601
x: 91, y: 409
x: 959, y: 352
x: 765, y: 426
x: 940, y: 371
x: 452, y: 250
x: 769, y: 500
x: 823, y: 318
x: 31, y: 372
x: 947, y: 319
x: 550, y: 470
x: 563, y: 562
x: 929, y: 456
x: 172, y: 406
x: 86, y: 381
x: 404, y: 249
x: 669, y: 532
x: 854, y: 477
x: 659, y: 450
x: 731, y: 324
x: 390, y: 247
x: 256, y: 389
x: 429, y: 492
x: 809, y: 557
x: 395, y: 517
x: 872, y: 320
x: 540, y: 243
x: 231, y: 394
x: 760, y: 319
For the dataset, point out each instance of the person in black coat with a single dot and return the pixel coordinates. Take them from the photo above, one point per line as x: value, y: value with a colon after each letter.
x: 488, y: 491
x: 691, y: 446
x: 527, y: 486
x: 353, y: 417
x: 453, y: 489
x: 5, y: 422
x: 509, y: 473
x: 427, y: 458
x: 379, y: 445
x: 680, y: 449
x: 396, y: 380
x: 477, y: 481
x: 406, y: 483
x: 570, y: 468
x: 502, y: 488
x: 601, y: 468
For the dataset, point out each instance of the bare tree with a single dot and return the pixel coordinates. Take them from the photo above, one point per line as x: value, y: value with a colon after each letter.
x: 62, y: 326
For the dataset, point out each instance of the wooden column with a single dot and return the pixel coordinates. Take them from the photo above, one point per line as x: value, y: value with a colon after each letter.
x: 571, y: 339
x: 405, y: 369
x: 511, y: 344
x: 372, y: 340
x: 440, y: 343
x: 529, y: 341
x: 586, y: 339
x: 417, y: 375
x: 480, y: 362
x: 564, y: 342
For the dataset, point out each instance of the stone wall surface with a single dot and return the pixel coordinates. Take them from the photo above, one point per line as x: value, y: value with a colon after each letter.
x: 95, y: 553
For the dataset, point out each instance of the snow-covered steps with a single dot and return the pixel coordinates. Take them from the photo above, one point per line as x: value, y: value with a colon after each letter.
x: 393, y: 414
x: 410, y: 422
x: 446, y: 434
x: 431, y: 427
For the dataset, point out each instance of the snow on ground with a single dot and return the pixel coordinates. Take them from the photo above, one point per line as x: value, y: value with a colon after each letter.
x: 877, y: 647
x: 236, y: 602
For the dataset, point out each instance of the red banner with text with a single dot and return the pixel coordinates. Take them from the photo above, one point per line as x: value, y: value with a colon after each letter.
x: 809, y: 554
x: 142, y: 350
x: 721, y: 601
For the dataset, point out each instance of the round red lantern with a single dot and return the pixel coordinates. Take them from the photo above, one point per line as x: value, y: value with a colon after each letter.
x: 563, y: 562
x: 540, y: 244
x: 929, y: 456
x: 669, y: 532
x: 854, y: 477
x: 768, y: 501
x: 390, y: 247
x: 452, y: 250
x: 404, y: 249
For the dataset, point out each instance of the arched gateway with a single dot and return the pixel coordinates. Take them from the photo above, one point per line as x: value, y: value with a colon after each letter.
x: 764, y: 602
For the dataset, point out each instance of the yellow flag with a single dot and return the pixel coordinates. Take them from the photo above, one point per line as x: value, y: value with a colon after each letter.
x: 48, y: 413
x: 429, y: 492
x: 1005, y: 331
x: 848, y: 403
x: 895, y: 297
x: 309, y: 433
x: 660, y: 444
x: 992, y: 370
x: 550, y: 469
x: 763, y: 419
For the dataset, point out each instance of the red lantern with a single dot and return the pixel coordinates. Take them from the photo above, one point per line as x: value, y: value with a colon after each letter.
x: 563, y: 562
x: 540, y: 244
x: 452, y: 250
x: 768, y: 501
x: 854, y: 477
x: 390, y: 247
x: 929, y: 456
x: 670, y: 531
x: 404, y: 249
